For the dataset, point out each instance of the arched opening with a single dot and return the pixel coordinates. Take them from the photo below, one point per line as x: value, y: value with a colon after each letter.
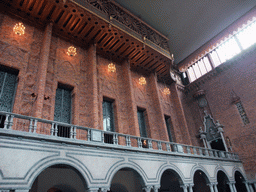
x: 59, y: 178
x: 200, y: 182
x: 240, y: 186
x: 218, y: 145
x: 222, y: 180
x: 170, y: 181
x: 126, y: 180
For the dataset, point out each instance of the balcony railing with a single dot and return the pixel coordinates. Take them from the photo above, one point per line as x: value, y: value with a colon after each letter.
x: 72, y: 133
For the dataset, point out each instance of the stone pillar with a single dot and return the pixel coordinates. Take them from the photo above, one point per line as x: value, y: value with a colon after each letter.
x: 132, y: 108
x: 160, y: 127
x: 156, y: 187
x: 185, y: 188
x: 42, y: 71
x: 211, y: 187
x: 231, y: 187
x: 191, y: 187
x: 147, y: 188
x: 93, y: 85
x: 247, y: 186
x: 234, y: 187
x: 251, y: 187
x: 254, y: 185
x: 215, y: 187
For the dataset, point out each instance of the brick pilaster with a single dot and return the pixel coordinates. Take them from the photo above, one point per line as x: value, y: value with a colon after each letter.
x: 93, y: 85
x: 42, y: 72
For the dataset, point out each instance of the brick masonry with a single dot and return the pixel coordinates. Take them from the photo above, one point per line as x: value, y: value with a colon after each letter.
x: 235, y: 77
x: 87, y: 73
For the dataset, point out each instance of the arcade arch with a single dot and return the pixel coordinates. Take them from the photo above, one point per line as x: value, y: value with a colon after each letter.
x: 59, y: 178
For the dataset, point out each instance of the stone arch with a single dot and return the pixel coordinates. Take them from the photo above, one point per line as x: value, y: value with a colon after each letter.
x: 237, y: 169
x: 219, y: 168
x: 126, y: 177
x: 131, y: 166
x: 222, y: 180
x: 173, y: 168
x: 81, y: 170
x: 171, y: 179
x: 202, y: 169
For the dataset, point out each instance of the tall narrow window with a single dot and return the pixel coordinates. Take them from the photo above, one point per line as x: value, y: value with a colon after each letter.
x: 108, y: 120
x: 168, y: 126
x: 62, y: 111
x: 142, y: 124
x: 8, y: 81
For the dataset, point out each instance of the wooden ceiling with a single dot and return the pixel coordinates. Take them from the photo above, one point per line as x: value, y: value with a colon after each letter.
x: 117, y: 33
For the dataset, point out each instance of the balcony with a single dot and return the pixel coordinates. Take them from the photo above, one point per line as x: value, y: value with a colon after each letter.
x: 33, y: 148
x: 35, y: 128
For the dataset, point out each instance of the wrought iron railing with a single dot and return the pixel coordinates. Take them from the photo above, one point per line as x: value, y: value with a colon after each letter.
x: 35, y: 126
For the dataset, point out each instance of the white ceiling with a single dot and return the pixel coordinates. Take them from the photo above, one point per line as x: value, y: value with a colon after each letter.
x: 188, y: 23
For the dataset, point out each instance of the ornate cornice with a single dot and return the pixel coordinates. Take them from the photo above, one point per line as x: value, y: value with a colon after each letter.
x: 123, y: 16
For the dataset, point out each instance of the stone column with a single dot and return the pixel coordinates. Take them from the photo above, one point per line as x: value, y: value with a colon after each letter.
x: 42, y: 71
x: 211, y: 187
x: 93, y: 86
x: 191, y: 187
x: 251, y: 188
x: 156, y: 187
x: 247, y: 186
x: 231, y: 187
x: 254, y: 185
x: 215, y: 187
x: 185, y: 187
x: 234, y: 187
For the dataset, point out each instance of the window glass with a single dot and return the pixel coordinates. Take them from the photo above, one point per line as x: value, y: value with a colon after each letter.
x: 142, y: 124
x: 202, y: 66
x: 207, y: 64
x: 228, y: 49
x: 7, y: 90
x: 191, y: 74
x: 247, y: 36
x: 196, y: 70
x: 108, y: 116
x: 215, y: 58
x: 168, y: 126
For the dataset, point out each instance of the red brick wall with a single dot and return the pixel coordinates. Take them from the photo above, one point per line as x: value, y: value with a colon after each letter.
x: 87, y: 73
x: 236, y: 75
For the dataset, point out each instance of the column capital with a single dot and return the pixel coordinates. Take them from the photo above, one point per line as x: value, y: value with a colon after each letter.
x: 156, y: 187
x: 147, y: 188
x: 92, y: 189
x: 105, y: 189
x: 184, y: 185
